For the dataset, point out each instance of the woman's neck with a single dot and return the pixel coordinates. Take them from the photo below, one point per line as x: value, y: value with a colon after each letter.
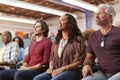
x: 64, y: 35
x: 39, y: 38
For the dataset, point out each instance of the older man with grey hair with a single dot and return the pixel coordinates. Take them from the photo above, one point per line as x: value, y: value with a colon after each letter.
x: 9, y: 51
x: 105, y: 45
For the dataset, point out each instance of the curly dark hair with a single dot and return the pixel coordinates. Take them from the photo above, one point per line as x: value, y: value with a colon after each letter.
x: 72, y: 28
x: 21, y: 43
x: 44, y: 27
x: 87, y: 33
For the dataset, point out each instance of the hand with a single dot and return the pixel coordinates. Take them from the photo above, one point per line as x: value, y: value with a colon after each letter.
x: 87, y: 70
x: 24, y: 68
x: 49, y: 71
x: 57, y: 71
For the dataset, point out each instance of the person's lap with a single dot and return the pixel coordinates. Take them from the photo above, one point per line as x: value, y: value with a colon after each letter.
x: 96, y: 76
x: 14, y: 74
x: 66, y: 75
x: 7, y: 74
x: 26, y: 74
x: 43, y: 76
x: 115, y: 77
x: 101, y: 76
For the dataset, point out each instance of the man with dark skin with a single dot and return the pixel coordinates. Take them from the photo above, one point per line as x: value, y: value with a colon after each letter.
x: 9, y: 56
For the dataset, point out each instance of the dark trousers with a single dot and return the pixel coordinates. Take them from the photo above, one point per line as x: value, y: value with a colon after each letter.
x: 66, y: 75
x: 14, y: 74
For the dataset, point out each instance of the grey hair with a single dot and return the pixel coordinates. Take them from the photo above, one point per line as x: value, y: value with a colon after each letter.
x: 109, y: 10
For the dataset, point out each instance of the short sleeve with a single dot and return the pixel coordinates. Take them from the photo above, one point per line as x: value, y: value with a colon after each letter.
x: 89, y: 49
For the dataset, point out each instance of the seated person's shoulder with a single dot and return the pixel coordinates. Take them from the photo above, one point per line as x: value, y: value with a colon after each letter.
x: 79, y: 38
x: 14, y: 44
x: 48, y: 40
x: 117, y: 27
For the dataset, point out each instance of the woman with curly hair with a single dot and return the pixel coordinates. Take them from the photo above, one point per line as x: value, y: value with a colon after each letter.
x: 21, y: 47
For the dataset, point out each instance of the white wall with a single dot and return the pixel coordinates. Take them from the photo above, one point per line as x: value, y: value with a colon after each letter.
x: 117, y: 18
x: 15, y: 26
x: 81, y: 21
x: 93, y: 24
x: 53, y: 24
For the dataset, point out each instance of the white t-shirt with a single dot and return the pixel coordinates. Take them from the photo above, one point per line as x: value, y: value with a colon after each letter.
x: 61, y: 46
